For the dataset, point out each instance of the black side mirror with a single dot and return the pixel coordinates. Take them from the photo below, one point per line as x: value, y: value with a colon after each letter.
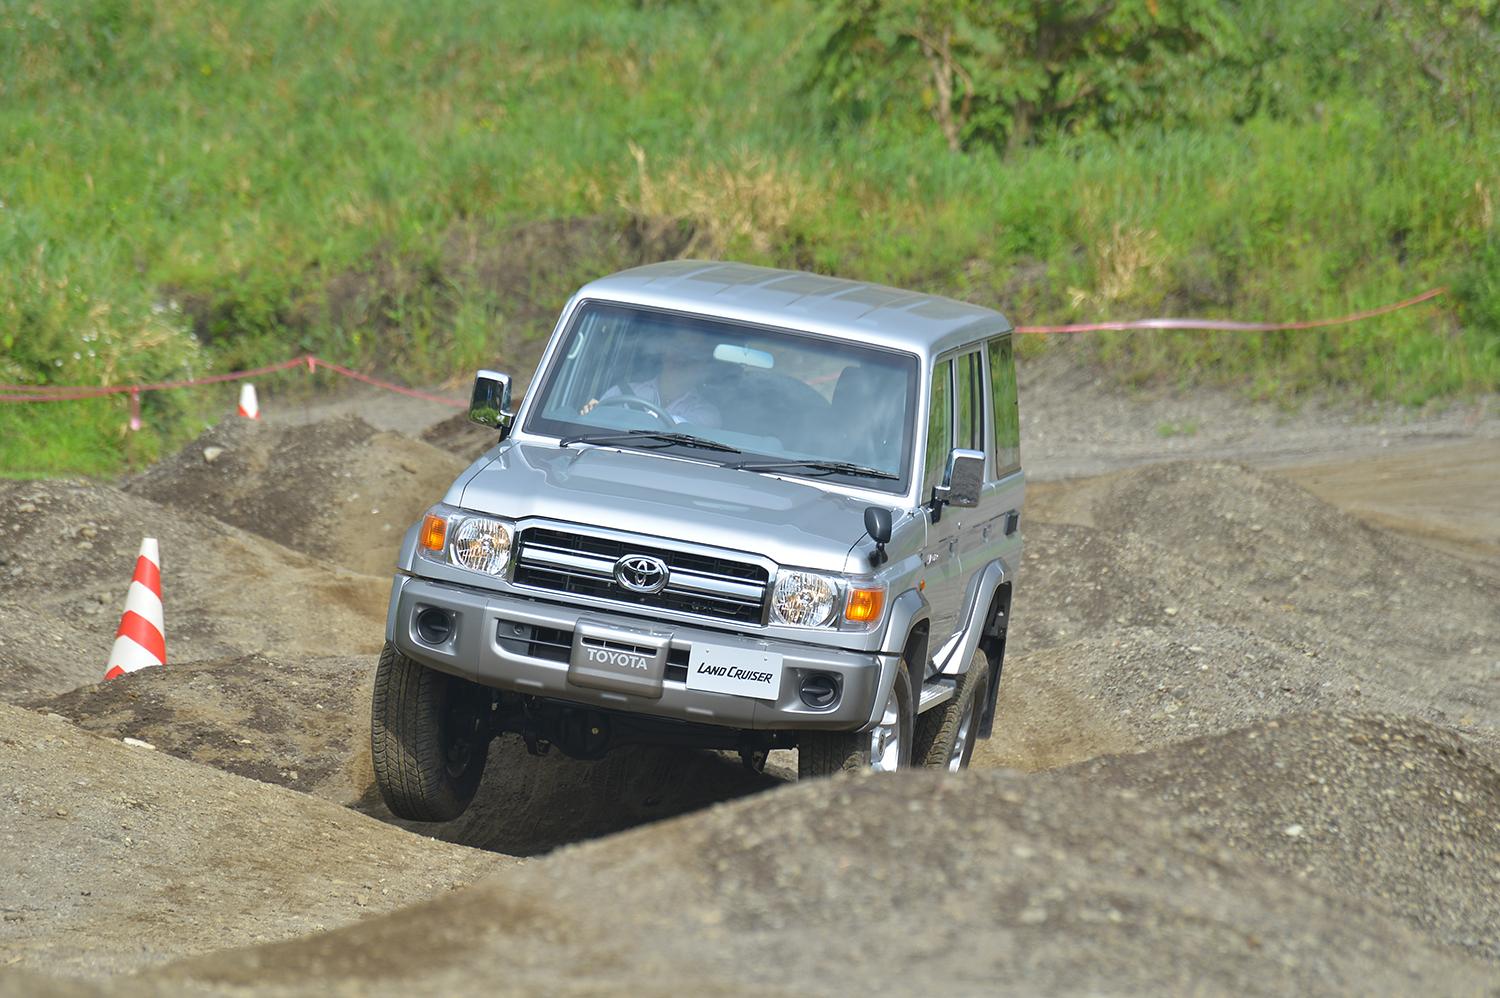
x: 878, y: 526
x: 489, y: 405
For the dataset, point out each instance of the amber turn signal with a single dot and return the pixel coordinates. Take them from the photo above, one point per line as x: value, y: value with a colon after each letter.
x: 434, y: 529
x: 864, y: 605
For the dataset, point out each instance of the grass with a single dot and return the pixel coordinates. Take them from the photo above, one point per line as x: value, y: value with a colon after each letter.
x: 1178, y: 428
x: 188, y: 187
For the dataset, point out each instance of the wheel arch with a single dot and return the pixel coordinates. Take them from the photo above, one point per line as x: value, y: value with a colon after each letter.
x: 907, y: 629
x: 992, y: 642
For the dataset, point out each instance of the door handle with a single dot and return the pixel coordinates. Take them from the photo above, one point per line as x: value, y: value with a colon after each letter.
x: 1012, y: 521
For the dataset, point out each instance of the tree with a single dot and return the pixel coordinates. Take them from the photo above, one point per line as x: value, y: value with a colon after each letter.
x: 998, y: 73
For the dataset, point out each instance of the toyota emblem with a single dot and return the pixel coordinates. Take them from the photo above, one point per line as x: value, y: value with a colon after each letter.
x: 641, y: 573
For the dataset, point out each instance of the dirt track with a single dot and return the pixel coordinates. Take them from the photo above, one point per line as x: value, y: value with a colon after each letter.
x: 1297, y: 652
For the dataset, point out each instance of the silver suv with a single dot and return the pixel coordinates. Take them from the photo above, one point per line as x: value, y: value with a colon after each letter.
x: 740, y: 509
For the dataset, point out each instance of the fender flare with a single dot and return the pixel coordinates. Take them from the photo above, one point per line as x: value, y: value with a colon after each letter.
x: 986, y: 584
x: 907, y: 611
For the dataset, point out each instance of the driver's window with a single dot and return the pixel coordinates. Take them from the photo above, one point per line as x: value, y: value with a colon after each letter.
x: 939, y: 427
x: 599, y: 351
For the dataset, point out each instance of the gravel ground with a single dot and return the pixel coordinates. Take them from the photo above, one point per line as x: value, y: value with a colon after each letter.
x: 339, y: 490
x: 1075, y: 422
x: 1277, y: 723
x: 1404, y: 815
x: 1174, y: 600
x: 70, y: 548
x: 304, y: 724
x: 133, y: 856
x: 1080, y: 882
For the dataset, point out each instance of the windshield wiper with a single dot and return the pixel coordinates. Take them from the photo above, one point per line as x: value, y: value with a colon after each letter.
x: 823, y: 467
x: 667, y: 438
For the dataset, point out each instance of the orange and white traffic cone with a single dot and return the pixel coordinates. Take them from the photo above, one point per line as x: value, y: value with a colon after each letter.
x: 249, y: 404
x: 141, y: 640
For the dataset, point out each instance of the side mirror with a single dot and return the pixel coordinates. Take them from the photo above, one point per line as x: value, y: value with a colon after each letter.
x: 961, y: 481
x: 878, y: 526
x: 490, y: 403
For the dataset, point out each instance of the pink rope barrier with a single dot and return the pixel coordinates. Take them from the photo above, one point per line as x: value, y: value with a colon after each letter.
x: 1230, y: 325
x: 64, y: 393
x: 67, y: 393
x: 389, y: 386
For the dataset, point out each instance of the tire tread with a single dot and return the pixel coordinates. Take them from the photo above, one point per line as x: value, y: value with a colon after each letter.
x: 937, y: 729
x: 406, y: 744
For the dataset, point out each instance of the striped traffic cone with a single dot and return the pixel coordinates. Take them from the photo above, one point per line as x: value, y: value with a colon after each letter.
x: 249, y: 404
x: 141, y: 639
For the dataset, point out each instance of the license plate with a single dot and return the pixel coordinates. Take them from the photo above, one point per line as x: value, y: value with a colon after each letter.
x: 740, y: 671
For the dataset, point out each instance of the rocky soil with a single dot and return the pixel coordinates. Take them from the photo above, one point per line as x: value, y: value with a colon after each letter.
x: 1249, y: 742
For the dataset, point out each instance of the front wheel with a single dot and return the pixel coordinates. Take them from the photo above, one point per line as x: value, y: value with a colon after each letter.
x: 884, y: 748
x: 429, y: 736
x: 946, y: 734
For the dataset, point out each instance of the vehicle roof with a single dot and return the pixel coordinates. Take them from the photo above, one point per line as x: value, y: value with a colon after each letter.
x: 876, y: 314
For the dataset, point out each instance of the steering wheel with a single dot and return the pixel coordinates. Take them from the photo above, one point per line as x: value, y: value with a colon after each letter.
x: 633, y: 402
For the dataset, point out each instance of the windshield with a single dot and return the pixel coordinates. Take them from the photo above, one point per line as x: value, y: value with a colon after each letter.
x: 773, y: 395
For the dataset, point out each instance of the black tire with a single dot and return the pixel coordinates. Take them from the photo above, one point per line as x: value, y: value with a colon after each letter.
x: 823, y: 753
x: 938, y: 729
x: 429, y: 736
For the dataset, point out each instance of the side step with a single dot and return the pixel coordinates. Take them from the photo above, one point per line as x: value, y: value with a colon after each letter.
x: 936, y: 691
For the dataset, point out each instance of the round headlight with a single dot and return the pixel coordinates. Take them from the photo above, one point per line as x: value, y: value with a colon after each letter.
x: 480, y: 545
x: 803, y: 599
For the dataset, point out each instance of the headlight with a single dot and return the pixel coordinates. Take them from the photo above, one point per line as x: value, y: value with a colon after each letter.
x: 476, y: 543
x: 803, y: 599
x: 480, y: 544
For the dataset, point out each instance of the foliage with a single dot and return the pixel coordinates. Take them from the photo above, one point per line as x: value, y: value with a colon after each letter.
x: 1011, y: 72
x: 188, y: 187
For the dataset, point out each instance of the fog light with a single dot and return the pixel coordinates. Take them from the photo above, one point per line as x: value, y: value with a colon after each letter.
x: 434, y: 626
x: 819, y: 690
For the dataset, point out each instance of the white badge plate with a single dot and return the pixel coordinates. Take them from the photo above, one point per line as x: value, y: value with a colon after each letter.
x: 741, y: 671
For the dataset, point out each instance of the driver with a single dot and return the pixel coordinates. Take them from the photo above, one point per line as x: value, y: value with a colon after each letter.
x: 678, y: 386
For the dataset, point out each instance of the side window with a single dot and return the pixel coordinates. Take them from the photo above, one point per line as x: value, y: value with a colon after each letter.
x: 939, y: 427
x: 970, y: 403
x: 1003, y: 399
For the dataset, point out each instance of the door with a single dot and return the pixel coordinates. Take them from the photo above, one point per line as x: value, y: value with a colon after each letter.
x: 1004, y: 488
x: 942, y: 579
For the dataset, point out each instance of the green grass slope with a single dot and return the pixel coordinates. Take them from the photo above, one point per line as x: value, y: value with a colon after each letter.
x: 416, y: 187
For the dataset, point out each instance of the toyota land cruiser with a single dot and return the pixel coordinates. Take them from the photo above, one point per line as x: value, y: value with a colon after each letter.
x: 738, y: 509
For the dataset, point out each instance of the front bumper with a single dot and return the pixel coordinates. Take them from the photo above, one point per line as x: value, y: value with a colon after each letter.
x: 520, y: 645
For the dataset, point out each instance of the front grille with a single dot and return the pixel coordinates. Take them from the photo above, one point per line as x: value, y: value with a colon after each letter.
x: 584, y: 564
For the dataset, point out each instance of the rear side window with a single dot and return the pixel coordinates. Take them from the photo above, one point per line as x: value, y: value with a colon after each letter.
x: 970, y: 403
x: 1003, y: 400
x: 939, y: 426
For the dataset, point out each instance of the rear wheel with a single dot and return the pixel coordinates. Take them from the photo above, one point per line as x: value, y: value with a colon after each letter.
x: 885, y: 748
x: 945, y: 735
x: 429, y: 735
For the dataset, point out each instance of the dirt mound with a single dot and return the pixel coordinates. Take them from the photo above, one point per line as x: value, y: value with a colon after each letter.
x: 71, y: 548
x: 1175, y: 600
x: 459, y: 436
x: 1403, y: 814
x: 1081, y: 881
x: 336, y: 489
x: 300, y: 723
x: 133, y: 857
x: 304, y: 724
x: 1140, y: 688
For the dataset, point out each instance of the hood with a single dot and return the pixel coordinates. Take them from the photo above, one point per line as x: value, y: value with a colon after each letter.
x: 789, y: 522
